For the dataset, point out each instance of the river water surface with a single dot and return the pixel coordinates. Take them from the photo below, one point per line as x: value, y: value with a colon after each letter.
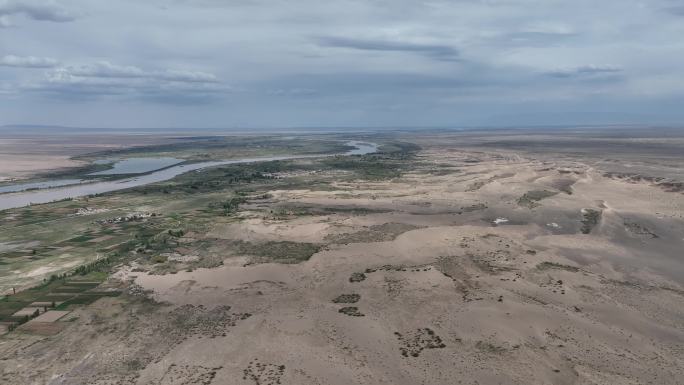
x: 136, y: 165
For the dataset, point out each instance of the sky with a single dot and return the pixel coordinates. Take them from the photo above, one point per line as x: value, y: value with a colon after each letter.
x: 341, y: 63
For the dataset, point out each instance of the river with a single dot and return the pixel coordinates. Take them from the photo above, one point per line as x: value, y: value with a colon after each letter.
x: 26, y: 198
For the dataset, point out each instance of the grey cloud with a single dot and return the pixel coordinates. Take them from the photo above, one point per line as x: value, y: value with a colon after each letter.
x: 467, y: 79
x: 676, y: 10
x: 535, y: 38
x: 37, y: 10
x: 27, y: 61
x: 583, y: 71
x: 291, y: 91
x: 186, y: 76
x: 436, y: 51
x: 343, y: 62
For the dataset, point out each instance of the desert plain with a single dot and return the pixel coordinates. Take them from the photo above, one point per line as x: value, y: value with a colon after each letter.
x: 447, y: 257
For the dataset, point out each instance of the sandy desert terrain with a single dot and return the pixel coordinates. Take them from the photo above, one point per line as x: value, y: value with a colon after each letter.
x: 477, y: 263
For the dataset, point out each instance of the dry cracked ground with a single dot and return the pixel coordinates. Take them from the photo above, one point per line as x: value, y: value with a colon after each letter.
x: 478, y: 267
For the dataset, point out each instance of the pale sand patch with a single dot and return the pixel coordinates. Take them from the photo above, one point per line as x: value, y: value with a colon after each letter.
x: 183, y: 285
x: 17, y: 166
x: 49, y: 316
x: 256, y: 229
x: 27, y: 311
x: 51, y: 267
x: 43, y: 270
x: 42, y: 328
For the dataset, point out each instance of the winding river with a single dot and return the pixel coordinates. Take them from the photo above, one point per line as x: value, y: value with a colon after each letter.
x: 26, y: 198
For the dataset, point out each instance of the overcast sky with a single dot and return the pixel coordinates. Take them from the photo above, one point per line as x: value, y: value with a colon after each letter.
x: 269, y: 63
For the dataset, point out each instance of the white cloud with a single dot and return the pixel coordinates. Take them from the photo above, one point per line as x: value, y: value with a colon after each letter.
x: 105, y: 69
x: 102, y: 69
x: 27, y: 61
x: 104, y: 79
x: 186, y: 76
